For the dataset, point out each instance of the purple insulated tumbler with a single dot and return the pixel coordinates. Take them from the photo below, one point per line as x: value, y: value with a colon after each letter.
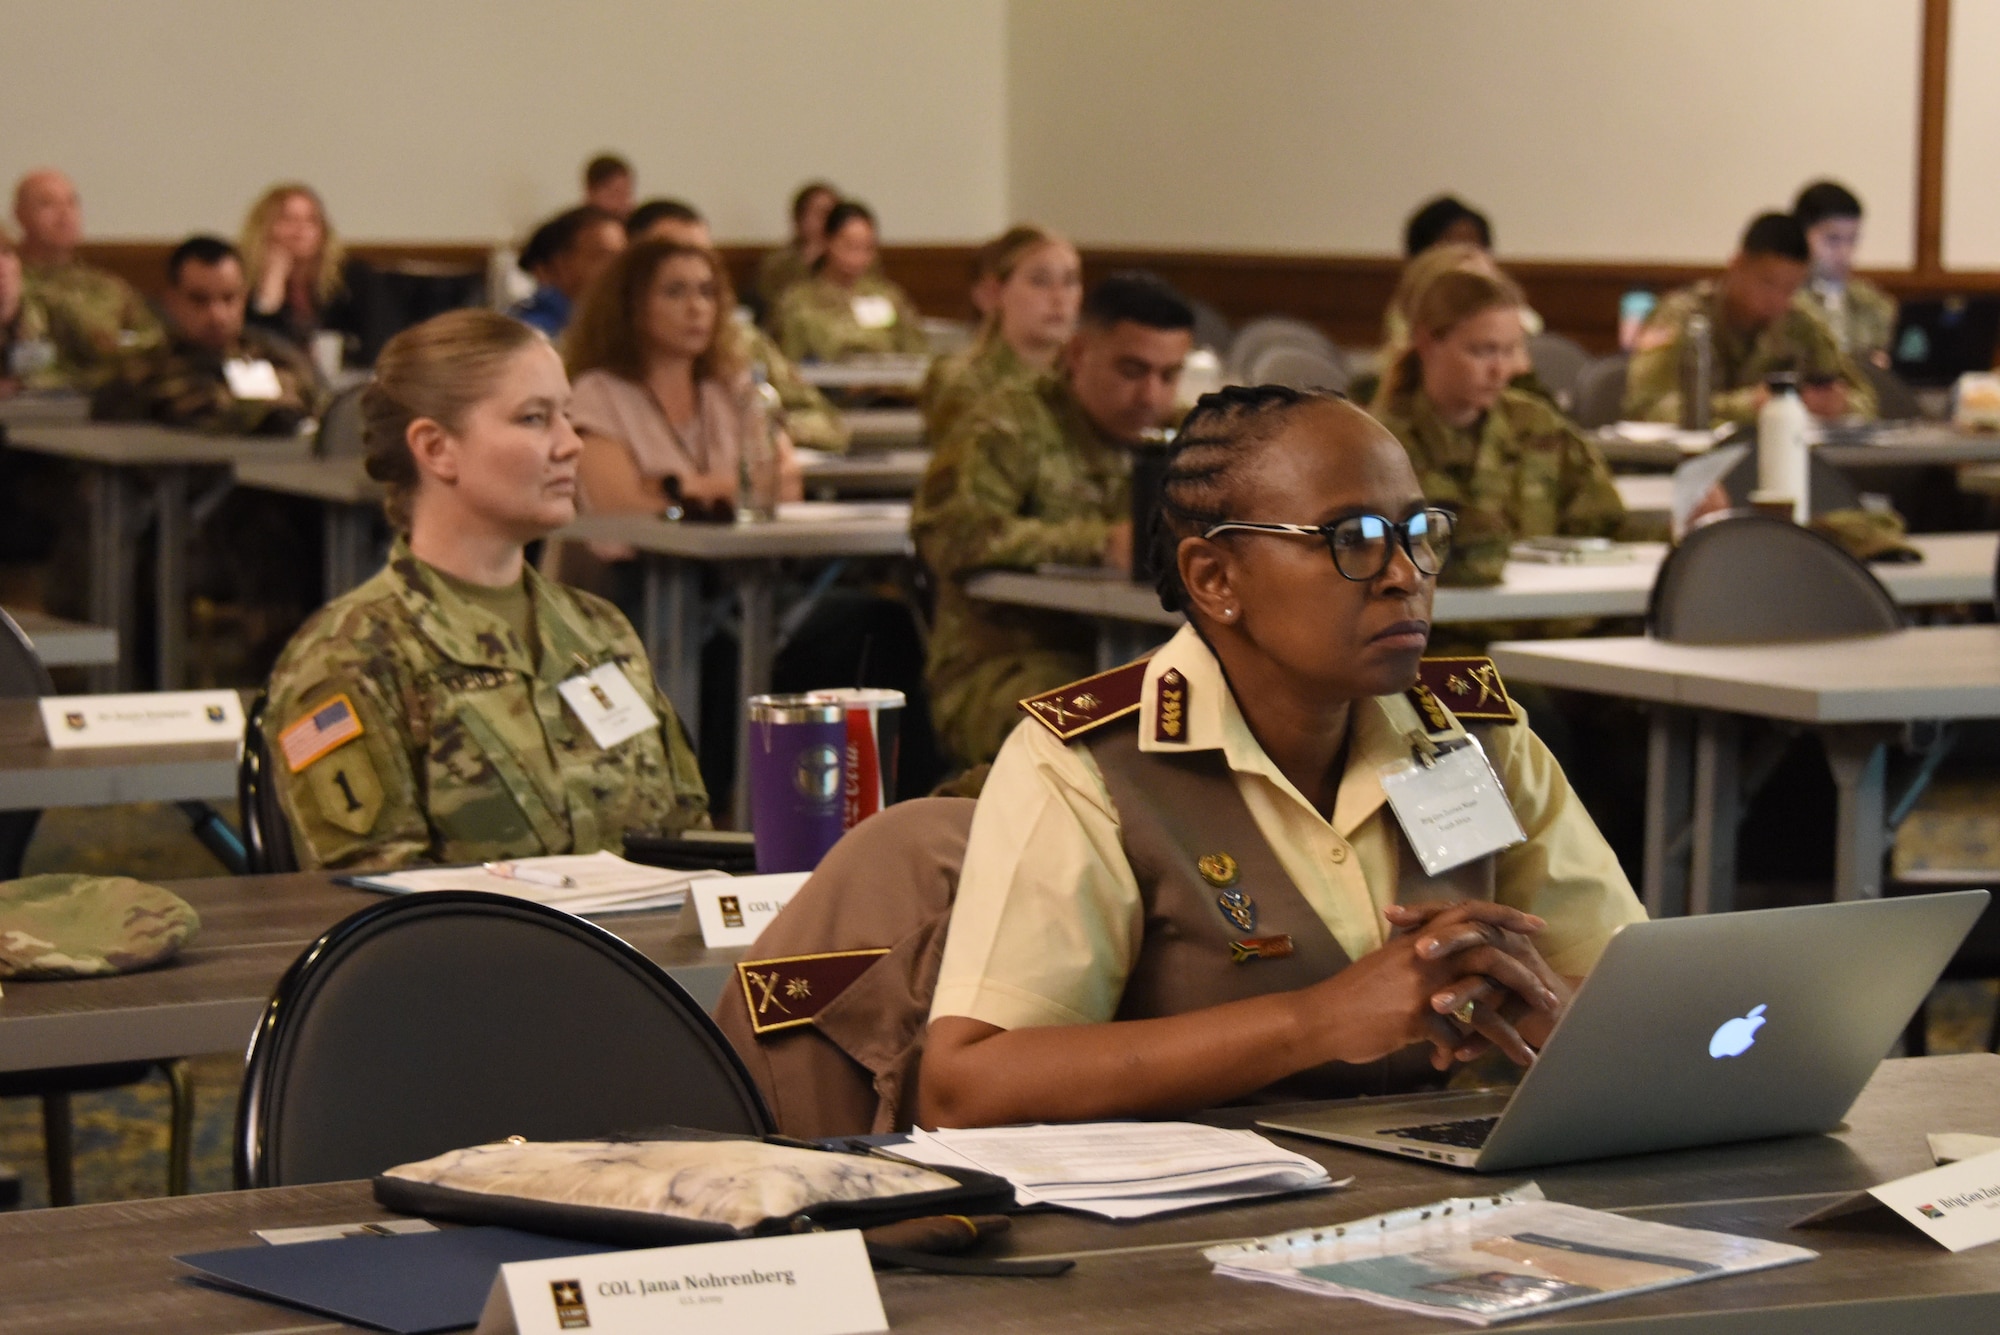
x: 798, y: 807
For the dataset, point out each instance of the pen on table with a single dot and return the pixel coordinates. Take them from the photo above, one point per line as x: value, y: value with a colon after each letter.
x: 514, y: 872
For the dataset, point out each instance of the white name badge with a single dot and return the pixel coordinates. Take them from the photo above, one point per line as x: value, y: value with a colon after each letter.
x: 1452, y: 811
x: 607, y: 706
x: 1957, y: 1206
x: 252, y: 378
x: 804, y: 1284
x: 734, y: 910
x: 874, y: 312
x: 154, y: 718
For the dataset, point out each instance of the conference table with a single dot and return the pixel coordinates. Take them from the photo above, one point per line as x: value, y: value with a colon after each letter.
x: 891, y: 372
x: 748, y: 554
x: 889, y: 472
x: 1956, y: 568
x: 210, y: 996
x: 138, y: 472
x: 883, y: 428
x: 35, y: 776
x: 1860, y: 694
x: 59, y: 643
x: 97, y: 1267
x: 1886, y: 445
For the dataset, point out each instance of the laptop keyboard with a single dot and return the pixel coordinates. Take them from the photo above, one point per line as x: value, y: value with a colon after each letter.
x: 1469, y: 1133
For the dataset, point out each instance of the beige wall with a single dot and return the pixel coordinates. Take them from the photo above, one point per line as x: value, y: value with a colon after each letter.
x: 1972, y: 131
x: 466, y: 119
x: 1587, y: 129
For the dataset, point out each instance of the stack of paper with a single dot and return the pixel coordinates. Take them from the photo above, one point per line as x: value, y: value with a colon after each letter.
x: 1495, y: 1258
x: 1124, y: 1170
x: 598, y: 883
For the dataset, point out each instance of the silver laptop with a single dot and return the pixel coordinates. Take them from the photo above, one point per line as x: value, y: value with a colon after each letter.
x: 1691, y: 1031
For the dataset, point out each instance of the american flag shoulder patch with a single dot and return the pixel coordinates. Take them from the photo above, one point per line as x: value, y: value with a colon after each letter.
x: 326, y: 725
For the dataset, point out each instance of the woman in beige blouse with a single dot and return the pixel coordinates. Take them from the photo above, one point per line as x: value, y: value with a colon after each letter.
x: 662, y: 389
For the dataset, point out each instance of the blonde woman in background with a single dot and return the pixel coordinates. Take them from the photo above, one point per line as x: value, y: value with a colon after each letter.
x: 1029, y: 289
x: 298, y: 270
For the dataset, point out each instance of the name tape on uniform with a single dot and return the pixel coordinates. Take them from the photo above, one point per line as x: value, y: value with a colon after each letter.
x: 805, y: 1284
x: 152, y: 718
x: 733, y: 910
x: 605, y: 702
x: 1957, y: 1206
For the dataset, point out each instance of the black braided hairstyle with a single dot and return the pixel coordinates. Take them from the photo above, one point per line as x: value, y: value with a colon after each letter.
x: 1220, y: 433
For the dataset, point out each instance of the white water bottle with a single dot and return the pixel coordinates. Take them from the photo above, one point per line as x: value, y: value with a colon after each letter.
x: 1782, y: 460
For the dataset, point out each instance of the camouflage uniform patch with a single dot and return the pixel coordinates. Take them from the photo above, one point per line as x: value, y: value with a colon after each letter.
x: 179, y: 383
x: 816, y: 321
x: 70, y: 926
x: 957, y: 382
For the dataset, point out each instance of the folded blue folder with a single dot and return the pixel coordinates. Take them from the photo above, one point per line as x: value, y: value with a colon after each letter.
x: 410, y: 1283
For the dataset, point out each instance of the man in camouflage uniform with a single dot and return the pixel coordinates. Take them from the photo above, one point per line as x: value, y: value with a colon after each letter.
x: 417, y: 719
x: 808, y: 418
x: 1755, y: 330
x: 1861, y: 315
x: 212, y: 373
x: 1040, y: 472
x: 73, y: 320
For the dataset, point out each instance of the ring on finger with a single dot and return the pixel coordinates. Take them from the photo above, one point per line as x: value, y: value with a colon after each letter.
x: 1464, y: 1013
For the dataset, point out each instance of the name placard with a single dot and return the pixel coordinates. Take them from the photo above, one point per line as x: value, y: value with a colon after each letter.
x: 732, y: 910
x: 805, y: 1284
x: 148, y: 719
x: 1957, y: 1206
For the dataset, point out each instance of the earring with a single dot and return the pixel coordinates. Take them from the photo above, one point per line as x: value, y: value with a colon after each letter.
x: 1229, y: 614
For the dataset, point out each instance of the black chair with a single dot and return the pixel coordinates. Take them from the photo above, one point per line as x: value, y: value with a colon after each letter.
x: 340, y: 426
x: 1599, y: 398
x: 267, y: 835
x: 436, y: 1021
x: 1895, y: 401
x: 1751, y: 579
x: 1558, y: 363
x: 22, y: 677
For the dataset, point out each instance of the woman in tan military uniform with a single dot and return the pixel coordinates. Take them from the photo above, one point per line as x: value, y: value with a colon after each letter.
x: 457, y: 707
x: 1183, y: 886
x: 847, y: 309
x: 1032, y: 281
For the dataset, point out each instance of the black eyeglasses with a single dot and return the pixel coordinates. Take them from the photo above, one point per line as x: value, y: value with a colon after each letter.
x: 1361, y: 544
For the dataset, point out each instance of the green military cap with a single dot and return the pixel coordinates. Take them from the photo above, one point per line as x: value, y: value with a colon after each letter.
x: 73, y: 926
x: 1867, y: 535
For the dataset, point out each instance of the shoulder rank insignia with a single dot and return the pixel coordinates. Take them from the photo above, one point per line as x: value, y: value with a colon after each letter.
x: 1170, y: 707
x: 1470, y: 687
x: 786, y: 993
x: 1073, y: 710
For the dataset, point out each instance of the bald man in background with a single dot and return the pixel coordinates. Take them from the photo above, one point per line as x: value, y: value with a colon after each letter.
x: 74, y: 321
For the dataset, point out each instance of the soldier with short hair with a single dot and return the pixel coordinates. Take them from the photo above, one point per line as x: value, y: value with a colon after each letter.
x: 454, y: 709
x: 213, y: 372
x: 1861, y: 315
x: 1040, y: 472
x: 1755, y: 329
x: 73, y: 320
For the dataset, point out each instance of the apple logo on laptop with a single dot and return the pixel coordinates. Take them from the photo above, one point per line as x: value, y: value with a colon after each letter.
x: 1735, y: 1036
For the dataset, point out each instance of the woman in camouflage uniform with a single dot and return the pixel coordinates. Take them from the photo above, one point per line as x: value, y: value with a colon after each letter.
x: 1032, y: 284
x: 846, y: 308
x: 458, y: 707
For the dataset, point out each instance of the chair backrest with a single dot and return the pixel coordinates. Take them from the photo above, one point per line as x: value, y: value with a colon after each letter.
x: 267, y: 834
x: 1253, y: 340
x: 1750, y: 579
x: 1895, y: 401
x: 340, y: 434
x: 1211, y: 328
x: 1558, y: 361
x: 1299, y: 368
x: 1600, y: 392
x: 22, y: 676
x: 455, y: 1018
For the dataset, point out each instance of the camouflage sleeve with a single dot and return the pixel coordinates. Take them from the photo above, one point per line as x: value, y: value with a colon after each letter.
x: 1820, y: 355
x: 138, y: 320
x: 1653, y: 379
x: 795, y: 325
x: 910, y: 335
x: 1591, y: 506
x: 690, y: 793
x: 124, y: 396
x: 809, y: 419
x: 968, y: 512
x: 358, y: 805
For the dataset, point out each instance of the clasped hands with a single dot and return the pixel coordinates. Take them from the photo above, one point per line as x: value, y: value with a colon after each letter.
x: 1461, y: 976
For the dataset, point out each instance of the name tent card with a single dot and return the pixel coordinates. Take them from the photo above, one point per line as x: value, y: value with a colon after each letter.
x: 733, y: 910
x: 803, y: 1284
x: 152, y: 718
x: 1956, y: 1206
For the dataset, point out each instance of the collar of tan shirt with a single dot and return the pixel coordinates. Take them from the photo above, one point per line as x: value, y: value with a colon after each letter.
x: 1213, y: 722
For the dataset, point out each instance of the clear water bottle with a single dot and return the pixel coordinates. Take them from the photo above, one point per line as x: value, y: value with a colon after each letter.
x: 757, y: 462
x: 1697, y: 372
